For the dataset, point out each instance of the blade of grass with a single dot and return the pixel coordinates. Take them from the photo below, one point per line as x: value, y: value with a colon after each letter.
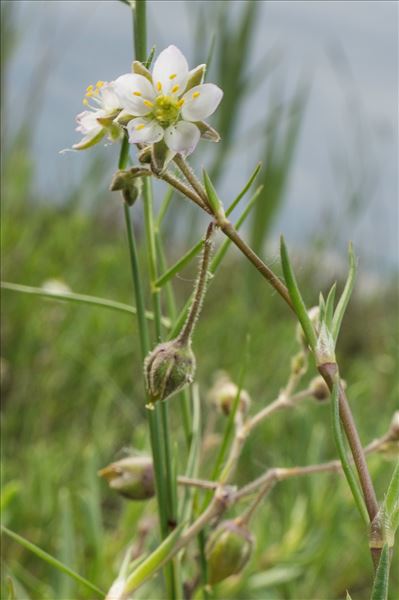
x: 296, y: 296
x: 52, y: 561
x: 381, y: 580
x: 345, y: 296
x: 244, y: 190
x: 80, y: 299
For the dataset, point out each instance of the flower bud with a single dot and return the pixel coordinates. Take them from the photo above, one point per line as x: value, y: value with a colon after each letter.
x: 129, y: 183
x: 228, y: 550
x: 224, y: 393
x: 132, y: 477
x: 319, y: 389
x: 393, y: 431
x: 169, y: 368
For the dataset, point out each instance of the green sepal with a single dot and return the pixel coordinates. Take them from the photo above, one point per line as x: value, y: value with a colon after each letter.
x: 196, y: 77
x: 161, y: 156
x: 140, y: 69
x: 91, y: 142
x: 207, y: 132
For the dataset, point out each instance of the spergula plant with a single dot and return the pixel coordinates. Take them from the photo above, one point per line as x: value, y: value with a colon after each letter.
x: 158, y: 114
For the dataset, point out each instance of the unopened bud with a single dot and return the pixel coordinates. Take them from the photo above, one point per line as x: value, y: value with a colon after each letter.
x: 228, y: 550
x: 393, y: 431
x: 129, y: 183
x: 319, y: 389
x: 223, y: 394
x: 132, y: 477
x: 169, y: 368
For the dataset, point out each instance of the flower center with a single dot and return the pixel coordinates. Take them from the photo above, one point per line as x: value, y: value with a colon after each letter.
x: 167, y: 109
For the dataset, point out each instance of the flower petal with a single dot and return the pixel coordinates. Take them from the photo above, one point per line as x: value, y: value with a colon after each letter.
x: 144, y: 131
x: 87, y: 122
x: 201, y: 101
x: 170, y: 72
x: 182, y: 137
x: 135, y: 93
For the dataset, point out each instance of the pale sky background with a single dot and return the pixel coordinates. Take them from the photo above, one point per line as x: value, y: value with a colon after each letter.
x: 91, y: 40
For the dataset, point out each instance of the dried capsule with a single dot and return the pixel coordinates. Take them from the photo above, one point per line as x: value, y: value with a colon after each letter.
x: 132, y: 477
x: 228, y: 550
x: 169, y: 368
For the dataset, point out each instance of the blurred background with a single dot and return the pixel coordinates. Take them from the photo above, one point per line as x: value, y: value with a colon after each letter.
x: 310, y: 90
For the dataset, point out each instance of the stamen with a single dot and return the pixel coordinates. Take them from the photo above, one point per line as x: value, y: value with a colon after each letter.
x: 159, y: 86
x: 175, y: 88
x: 148, y: 103
x: 89, y: 88
x: 136, y: 93
x: 139, y: 127
x: 99, y: 84
x: 85, y: 101
x: 89, y: 94
x: 195, y: 95
x: 180, y: 102
x: 173, y: 76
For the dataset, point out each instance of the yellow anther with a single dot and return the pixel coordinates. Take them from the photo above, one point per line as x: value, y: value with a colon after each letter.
x: 136, y: 93
x: 89, y: 94
x: 85, y: 101
x: 89, y: 88
x: 138, y: 127
x: 148, y: 103
x: 180, y: 102
x: 159, y: 86
x: 99, y: 84
x: 173, y: 76
x: 175, y: 88
x: 195, y: 95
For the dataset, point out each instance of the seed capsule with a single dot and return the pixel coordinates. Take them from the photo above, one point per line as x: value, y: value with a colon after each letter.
x: 228, y: 550
x: 319, y: 389
x: 224, y: 392
x: 132, y: 477
x: 168, y: 369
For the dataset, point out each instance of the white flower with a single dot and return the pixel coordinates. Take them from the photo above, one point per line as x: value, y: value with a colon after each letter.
x: 94, y: 123
x: 167, y: 107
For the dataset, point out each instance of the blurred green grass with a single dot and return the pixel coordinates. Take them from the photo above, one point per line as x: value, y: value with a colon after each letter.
x: 72, y: 395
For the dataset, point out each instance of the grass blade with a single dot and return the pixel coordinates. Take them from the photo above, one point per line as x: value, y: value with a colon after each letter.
x: 296, y: 296
x: 244, y: 189
x: 52, y: 561
x: 78, y: 298
x: 329, y: 308
x: 180, y: 264
x: 381, y: 580
x: 152, y: 563
x: 345, y: 296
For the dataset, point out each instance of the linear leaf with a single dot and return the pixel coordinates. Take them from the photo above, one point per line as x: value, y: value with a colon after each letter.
x: 79, y: 298
x: 244, y: 190
x: 340, y: 444
x: 329, y: 309
x: 381, y: 580
x: 51, y: 560
x: 345, y: 296
x: 296, y: 296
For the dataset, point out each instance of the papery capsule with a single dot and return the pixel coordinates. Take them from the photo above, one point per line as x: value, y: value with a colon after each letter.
x: 132, y: 477
x: 224, y: 392
x: 228, y: 550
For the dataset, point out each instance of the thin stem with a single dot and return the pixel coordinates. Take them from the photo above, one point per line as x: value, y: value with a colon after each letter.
x: 280, y: 474
x: 282, y: 402
x: 191, y: 178
x: 200, y: 289
x: 138, y: 291
x: 183, y: 189
x: 329, y: 372
x: 152, y: 255
x: 263, y: 269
